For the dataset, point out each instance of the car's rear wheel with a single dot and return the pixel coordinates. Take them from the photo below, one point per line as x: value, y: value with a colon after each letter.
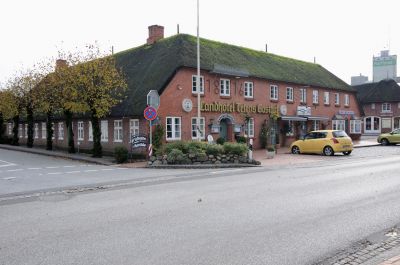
x: 328, y: 151
x: 385, y: 141
x: 347, y: 153
x: 295, y: 150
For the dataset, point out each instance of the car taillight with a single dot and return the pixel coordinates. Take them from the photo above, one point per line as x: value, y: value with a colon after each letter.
x: 335, y: 141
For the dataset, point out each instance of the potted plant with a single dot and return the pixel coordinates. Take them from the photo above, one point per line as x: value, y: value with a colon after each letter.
x: 270, y: 152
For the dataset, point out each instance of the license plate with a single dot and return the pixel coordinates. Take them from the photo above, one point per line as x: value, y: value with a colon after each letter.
x: 346, y: 146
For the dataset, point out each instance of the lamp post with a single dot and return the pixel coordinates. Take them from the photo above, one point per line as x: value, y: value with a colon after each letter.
x: 198, y: 76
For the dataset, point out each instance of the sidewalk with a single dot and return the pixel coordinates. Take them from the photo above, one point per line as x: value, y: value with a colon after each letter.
x: 392, y: 261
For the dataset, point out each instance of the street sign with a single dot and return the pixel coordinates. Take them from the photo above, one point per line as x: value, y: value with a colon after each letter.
x: 153, y: 99
x: 150, y: 113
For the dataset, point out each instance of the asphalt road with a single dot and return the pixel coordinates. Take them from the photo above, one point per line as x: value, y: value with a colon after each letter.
x: 294, y: 215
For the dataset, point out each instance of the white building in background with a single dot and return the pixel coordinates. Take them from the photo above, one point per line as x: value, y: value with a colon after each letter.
x: 384, y: 66
x: 359, y: 80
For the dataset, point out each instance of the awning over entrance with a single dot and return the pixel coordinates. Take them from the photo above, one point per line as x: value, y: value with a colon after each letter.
x: 293, y: 118
x: 317, y: 118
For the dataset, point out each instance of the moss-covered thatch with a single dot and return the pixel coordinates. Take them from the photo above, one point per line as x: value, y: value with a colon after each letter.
x: 152, y: 67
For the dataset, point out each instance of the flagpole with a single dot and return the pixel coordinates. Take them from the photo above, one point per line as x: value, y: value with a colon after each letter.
x: 198, y: 75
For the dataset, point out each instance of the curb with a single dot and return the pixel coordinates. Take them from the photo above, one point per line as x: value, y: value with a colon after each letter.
x: 363, y: 146
x: 204, y: 166
x: 56, y: 154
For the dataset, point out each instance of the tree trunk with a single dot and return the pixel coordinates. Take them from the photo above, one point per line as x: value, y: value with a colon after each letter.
x: 2, y: 128
x: 97, y: 149
x: 50, y: 131
x: 29, y: 112
x: 15, y: 139
x: 70, y: 131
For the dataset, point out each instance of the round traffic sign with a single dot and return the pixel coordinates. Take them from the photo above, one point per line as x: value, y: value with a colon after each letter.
x: 150, y: 113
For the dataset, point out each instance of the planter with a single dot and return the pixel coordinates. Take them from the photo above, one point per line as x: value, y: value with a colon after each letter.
x: 270, y: 154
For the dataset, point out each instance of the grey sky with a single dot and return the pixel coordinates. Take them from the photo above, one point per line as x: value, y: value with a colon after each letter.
x: 343, y: 35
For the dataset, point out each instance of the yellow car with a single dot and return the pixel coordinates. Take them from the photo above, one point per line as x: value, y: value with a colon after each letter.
x: 327, y: 142
x: 389, y: 138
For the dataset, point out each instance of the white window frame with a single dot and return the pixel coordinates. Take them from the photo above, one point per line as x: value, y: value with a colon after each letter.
x: 315, y: 97
x: 44, y: 130
x: 273, y: 92
x: 175, y: 129
x: 303, y: 95
x: 104, y: 130
x: 26, y: 131
x: 326, y: 98
x: 90, y: 136
x: 54, y: 132
x: 10, y: 127
x: 339, y: 125
x: 134, y: 126
x: 337, y: 99
x: 316, y: 125
x: 372, y: 105
x: 60, y: 130
x: 249, y: 128
x: 36, y: 131
x: 202, y: 128
x: 346, y: 100
x: 20, y: 130
x: 225, y: 87
x: 248, y: 89
x: 289, y: 94
x: 118, y: 132
x: 355, y: 126
x: 386, y: 107
x: 81, y: 131
x: 194, y: 87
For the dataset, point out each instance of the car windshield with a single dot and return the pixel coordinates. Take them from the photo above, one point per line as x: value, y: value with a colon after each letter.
x: 397, y: 131
x: 339, y: 134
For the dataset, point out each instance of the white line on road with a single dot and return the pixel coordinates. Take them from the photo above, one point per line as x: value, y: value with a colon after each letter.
x: 69, y: 166
x: 9, y: 178
x: 107, y: 169
x: 90, y: 170
x: 14, y: 170
x: 34, y: 168
x: 72, y: 172
x: 52, y: 167
x: 7, y: 164
x: 225, y: 171
x: 54, y: 173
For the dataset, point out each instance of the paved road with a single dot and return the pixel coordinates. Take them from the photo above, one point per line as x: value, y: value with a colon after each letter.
x: 295, y: 215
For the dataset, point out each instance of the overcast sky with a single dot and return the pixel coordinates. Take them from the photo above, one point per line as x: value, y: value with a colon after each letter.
x: 343, y: 35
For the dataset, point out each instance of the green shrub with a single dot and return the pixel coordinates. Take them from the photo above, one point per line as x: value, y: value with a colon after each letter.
x: 214, y: 149
x: 158, y: 136
x: 180, y: 145
x: 121, y: 154
x: 240, y: 139
x: 235, y: 148
x: 176, y: 156
x: 270, y: 149
x: 221, y: 140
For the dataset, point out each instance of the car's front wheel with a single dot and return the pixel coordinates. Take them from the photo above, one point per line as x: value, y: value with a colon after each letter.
x: 385, y: 141
x: 347, y: 153
x: 295, y: 150
x: 328, y: 151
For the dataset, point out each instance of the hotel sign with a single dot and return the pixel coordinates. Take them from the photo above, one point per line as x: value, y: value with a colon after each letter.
x: 239, y: 107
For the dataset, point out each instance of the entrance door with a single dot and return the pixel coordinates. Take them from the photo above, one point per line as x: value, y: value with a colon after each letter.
x: 372, y: 125
x: 396, y: 122
x: 224, y: 129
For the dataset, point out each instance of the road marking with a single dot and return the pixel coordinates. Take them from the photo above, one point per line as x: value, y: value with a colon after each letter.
x: 72, y: 172
x: 90, y: 170
x: 52, y: 167
x: 54, y: 173
x: 9, y: 178
x: 69, y: 166
x: 7, y: 164
x: 34, y: 168
x: 225, y: 171
x: 14, y: 170
x: 107, y: 169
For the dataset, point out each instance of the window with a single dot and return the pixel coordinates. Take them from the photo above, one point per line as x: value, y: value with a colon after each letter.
x: 315, y: 97
x: 289, y: 128
x: 118, y: 131
x: 60, y: 131
x: 52, y: 129
x: 346, y: 100
x: 10, y: 125
x: 104, y: 130
x: 36, y: 131
x: 249, y: 128
x: 90, y: 131
x: 355, y: 126
x: 326, y: 98
x: 194, y: 84
x: 303, y: 95
x: 20, y: 130
x: 248, y: 89
x: 386, y: 107
x: 338, y: 125
x: 315, y: 125
x: 337, y: 102
x: 80, y: 131
x: 26, y: 130
x: 196, y: 130
x: 372, y: 105
x: 289, y: 93
x: 173, y: 128
x: 273, y: 92
x: 398, y: 105
x: 133, y: 128
x: 225, y: 87
x: 44, y: 131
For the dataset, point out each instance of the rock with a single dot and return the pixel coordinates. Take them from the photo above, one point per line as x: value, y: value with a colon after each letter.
x: 153, y: 158
x: 157, y: 163
x: 217, y: 162
x: 197, y: 163
x: 257, y: 162
x: 218, y: 158
x: 191, y: 156
x: 214, y: 159
x: 236, y: 161
x: 223, y: 156
x: 210, y: 156
x: 165, y: 162
x: 149, y: 163
x: 159, y: 157
x: 224, y: 160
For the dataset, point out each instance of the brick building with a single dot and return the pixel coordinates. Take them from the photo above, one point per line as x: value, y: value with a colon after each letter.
x: 380, y: 104
x: 241, y: 89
